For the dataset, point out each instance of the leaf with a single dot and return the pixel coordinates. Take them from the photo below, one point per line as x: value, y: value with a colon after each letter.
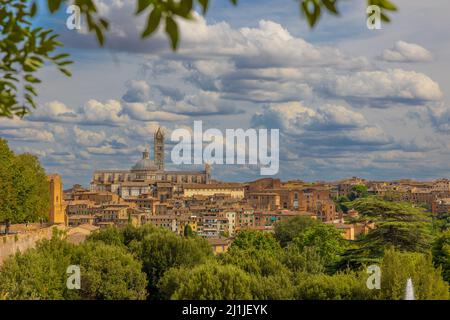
x: 386, y: 4
x: 31, y: 79
x: 65, y: 71
x: 204, y: 4
x: 142, y: 5
x: 61, y: 56
x: 385, y: 18
x: 104, y: 23
x: 99, y: 34
x: 30, y: 100
x: 64, y: 63
x: 31, y: 90
x: 331, y: 6
x: 172, y: 31
x: 33, y: 9
x: 185, y: 8
x: 53, y: 5
x: 152, y: 23
x: 311, y: 16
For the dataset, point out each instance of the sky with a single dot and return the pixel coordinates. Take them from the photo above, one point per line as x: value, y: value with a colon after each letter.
x: 348, y: 101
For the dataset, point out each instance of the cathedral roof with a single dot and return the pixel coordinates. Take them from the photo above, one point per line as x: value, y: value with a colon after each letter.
x: 145, y: 164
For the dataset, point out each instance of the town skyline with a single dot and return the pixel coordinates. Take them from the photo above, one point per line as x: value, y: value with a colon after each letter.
x: 348, y: 101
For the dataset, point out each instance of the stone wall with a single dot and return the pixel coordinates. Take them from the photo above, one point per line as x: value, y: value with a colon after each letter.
x: 13, y: 243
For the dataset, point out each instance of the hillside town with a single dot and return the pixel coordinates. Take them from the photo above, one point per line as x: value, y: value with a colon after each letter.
x: 186, y: 200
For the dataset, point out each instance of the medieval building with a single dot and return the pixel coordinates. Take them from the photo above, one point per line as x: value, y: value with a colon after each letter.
x: 146, y: 175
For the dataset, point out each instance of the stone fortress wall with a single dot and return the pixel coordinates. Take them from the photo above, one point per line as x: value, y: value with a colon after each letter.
x: 12, y: 243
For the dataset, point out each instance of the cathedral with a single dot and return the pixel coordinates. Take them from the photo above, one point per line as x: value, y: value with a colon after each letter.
x: 146, y: 175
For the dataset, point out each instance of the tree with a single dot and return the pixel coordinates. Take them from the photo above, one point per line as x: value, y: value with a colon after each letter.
x: 325, y: 239
x: 341, y: 286
x: 341, y: 204
x: 38, y: 273
x: 259, y: 254
x: 110, y: 235
x: 255, y: 240
x: 163, y: 250
x: 24, y: 192
x: 397, y: 267
x: 7, y: 195
x: 25, y: 49
x: 110, y: 273
x: 107, y: 272
x: 358, y: 191
x: 187, y: 232
x: 305, y: 260
x: 441, y: 254
x: 259, y: 262
x: 209, y: 281
x: 278, y: 286
x: 288, y: 229
x: 398, y: 224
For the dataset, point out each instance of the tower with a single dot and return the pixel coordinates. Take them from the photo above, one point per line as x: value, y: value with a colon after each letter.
x: 159, y: 149
x: 207, y: 173
x: 56, y: 213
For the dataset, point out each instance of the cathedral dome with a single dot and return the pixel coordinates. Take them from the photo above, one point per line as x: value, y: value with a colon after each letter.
x: 145, y: 164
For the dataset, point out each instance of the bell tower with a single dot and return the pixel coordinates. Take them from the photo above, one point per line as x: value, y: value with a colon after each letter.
x: 56, y: 213
x: 159, y: 149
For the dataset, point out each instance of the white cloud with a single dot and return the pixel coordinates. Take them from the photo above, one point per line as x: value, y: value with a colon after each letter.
x: 53, y: 111
x: 148, y: 112
x: 330, y: 125
x: 137, y: 91
x: 392, y: 85
x: 440, y: 117
x: 28, y: 134
x: 406, y: 52
x: 87, y: 137
x: 109, y: 150
x: 201, y: 103
x: 108, y: 113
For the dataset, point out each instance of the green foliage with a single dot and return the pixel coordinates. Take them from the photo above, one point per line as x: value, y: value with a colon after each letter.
x: 358, y: 191
x: 209, y: 281
x: 38, y: 273
x: 441, y: 254
x: 110, y: 273
x: 24, y: 192
x: 273, y: 287
x: 255, y: 240
x: 385, y: 5
x: 397, y: 267
x: 114, y: 264
x: 261, y: 262
x: 341, y: 204
x: 107, y: 272
x: 162, y: 250
x: 24, y: 50
x: 306, y: 259
x: 287, y: 230
x: 341, y: 286
x: 110, y: 235
x: 187, y: 232
x: 326, y: 240
x: 398, y: 224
